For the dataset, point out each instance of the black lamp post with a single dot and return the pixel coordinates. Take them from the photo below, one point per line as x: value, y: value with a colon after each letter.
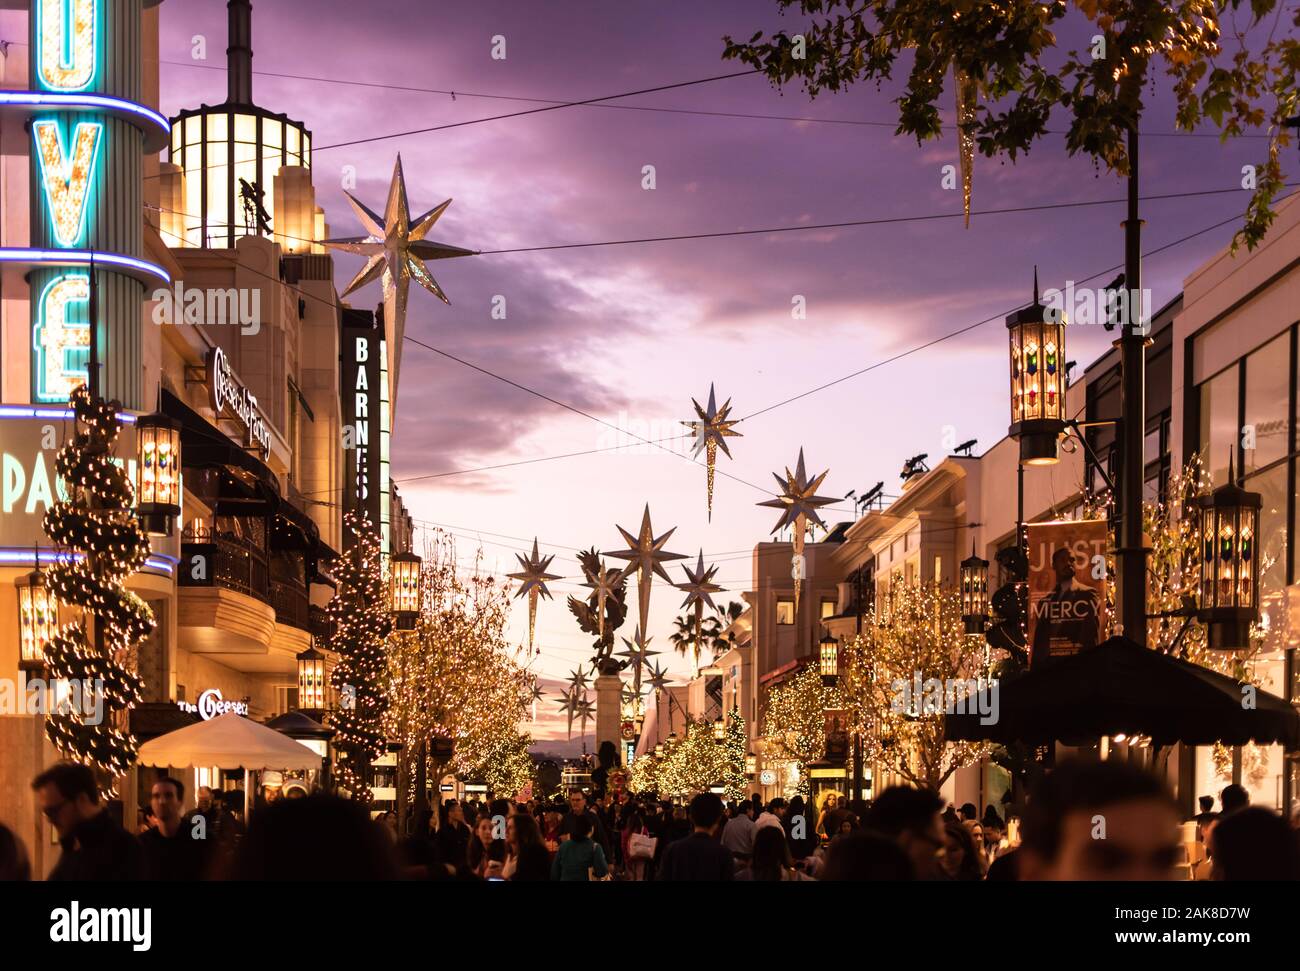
x: 1037, y: 336
x: 158, y: 472
x: 404, y: 589
x: 974, y: 593
x: 1229, y: 564
x: 830, y: 661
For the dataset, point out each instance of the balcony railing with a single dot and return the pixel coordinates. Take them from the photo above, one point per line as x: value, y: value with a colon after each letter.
x: 218, y: 559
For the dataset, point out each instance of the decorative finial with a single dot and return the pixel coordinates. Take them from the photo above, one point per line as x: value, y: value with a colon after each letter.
x: 1035, y: 284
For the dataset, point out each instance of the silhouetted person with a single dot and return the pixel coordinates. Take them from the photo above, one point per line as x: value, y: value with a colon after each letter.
x: 316, y: 838
x: 1099, y: 821
x: 866, y: 856
x: 95, y: 846
x: 1234, y: 797
x: 13, y: 857
x: 700, y: 856
x: 177, y: 848
x: 910, y: 817
x: 1254, y: 844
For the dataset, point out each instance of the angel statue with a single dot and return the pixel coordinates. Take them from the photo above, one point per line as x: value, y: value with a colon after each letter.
x: 604, y: 611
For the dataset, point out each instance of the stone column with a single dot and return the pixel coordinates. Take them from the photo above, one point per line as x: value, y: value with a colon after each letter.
x: 609, y: 689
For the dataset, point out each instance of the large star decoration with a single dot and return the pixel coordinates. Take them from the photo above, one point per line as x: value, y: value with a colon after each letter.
x: 711, y: 433
x: 658, y: 679
x: 532, y: 579
x: 699, y: 587
x: 646, y: 557
x: 578, y: 679
x: 798, y: 502
x: 396, y: 248
x: 604, y: 583
x: 638, y: 650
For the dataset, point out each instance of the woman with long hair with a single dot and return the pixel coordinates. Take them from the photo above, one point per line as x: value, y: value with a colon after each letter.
x: 961, y: 861
x: 486, y: 855
x: 526, y: 858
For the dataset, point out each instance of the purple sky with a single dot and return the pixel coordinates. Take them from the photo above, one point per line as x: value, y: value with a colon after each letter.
x: 631, y: 333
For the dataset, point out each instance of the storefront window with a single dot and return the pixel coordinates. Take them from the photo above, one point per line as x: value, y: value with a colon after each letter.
x: 1219, y: 407
x: 785, y: 612
x: 1272, y: 487
x: 1267, y: 393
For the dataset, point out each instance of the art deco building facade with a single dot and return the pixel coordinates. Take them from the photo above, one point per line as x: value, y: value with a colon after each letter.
x: 233, y: 329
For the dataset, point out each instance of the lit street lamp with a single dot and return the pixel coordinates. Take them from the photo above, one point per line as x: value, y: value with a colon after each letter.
x: 158, y: 472
x: 38, y: 619
x: 404, y: 589
x: 974, y: 593
x: 1037, y: 337
x: 1229, y: 564
x: 830, y: 661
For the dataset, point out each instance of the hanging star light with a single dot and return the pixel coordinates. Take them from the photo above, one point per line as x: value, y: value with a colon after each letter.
x: 798, y: 503
x: 605, y: 584
x: 535, y: 694
x: 711, y: 433
x: 646, y: 557
x: 699, y: 587
x: 658, y: 679
x: 396, y: 249
x: 638, y: 650
x: 586, y: 712
x: 569, y: 706
x: 532, y: 581
x: 967, y: 100
x: 578, y: 679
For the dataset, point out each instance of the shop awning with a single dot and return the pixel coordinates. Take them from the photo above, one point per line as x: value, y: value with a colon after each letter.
x: 203, y: 446
x: 228, y: 740
x: 1121, y: 687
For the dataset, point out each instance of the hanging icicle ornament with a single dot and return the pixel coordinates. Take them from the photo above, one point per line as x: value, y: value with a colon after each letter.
x: 798, y: 503
x: 711, y: 433
x: 967, y: 102
x: 532, y: 582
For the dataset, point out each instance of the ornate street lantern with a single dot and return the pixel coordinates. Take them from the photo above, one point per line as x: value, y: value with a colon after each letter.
x: 720, y: 730
x: 1037, y: 380
x: 158, y: 472
x: 751, y: 764
x: 38, y: 619
x: 659, y: 750
x: 404, y: 589
x: 830, y: 661
x: 974, y: 593
x: 311, y: 680
x: 1229, y: 564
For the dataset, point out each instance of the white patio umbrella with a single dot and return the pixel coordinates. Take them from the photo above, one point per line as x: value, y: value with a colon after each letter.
x: 229, y: 740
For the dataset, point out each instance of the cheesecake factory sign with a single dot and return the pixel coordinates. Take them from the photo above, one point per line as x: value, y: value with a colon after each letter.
x: 229, y: 398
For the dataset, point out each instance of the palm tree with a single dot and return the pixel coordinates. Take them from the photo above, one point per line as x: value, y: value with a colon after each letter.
x: 683, y: 636
x: 716, y: 626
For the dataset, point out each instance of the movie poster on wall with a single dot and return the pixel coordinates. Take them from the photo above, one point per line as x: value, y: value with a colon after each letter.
x: 1067, y: 588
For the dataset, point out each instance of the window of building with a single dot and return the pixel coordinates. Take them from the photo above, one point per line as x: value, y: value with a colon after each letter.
x: 1219, y: 423
x: 828, y: 608
x: 1265, y: 424
x: 785, y: 613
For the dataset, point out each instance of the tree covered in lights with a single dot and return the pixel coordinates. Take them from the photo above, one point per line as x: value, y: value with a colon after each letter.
x: 735, y: 747
x: 508, y: 767
x: 361, y: 623
x: 456, y: 676
x: 694, y: 763
x: 96, y: 521
x: 794, y: 723
x: 920, y: 637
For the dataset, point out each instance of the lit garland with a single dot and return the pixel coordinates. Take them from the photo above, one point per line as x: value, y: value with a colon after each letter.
x: 96, y: 520
x: 361, y: 623
x: 923, y: 637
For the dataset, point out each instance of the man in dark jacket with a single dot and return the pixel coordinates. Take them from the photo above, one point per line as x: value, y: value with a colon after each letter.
x: 700, y: 856
x: 578, y: 807
x: 95, y: 846
x: 177, y: 848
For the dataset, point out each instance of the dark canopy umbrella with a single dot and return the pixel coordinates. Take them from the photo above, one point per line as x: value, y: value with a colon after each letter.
x: 1122, y: 687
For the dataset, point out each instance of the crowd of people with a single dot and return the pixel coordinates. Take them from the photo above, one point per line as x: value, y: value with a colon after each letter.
x: 1084, y: 821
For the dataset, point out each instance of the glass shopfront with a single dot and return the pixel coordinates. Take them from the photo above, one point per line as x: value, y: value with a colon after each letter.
x: 1243, y: 416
